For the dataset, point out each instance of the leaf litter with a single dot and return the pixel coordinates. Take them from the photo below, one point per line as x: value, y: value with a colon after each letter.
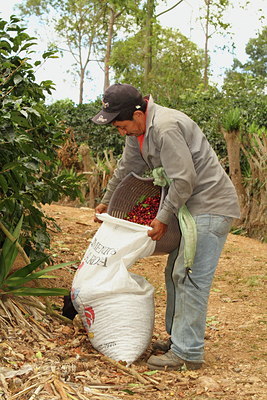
x: 46, y: 359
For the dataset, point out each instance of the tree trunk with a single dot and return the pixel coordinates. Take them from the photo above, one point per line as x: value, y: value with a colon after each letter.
x: 82, y: 74
x: 108, y: 49
x: 206, y: 52
x: 255, y: 152
x: 148, y: 39
x: 232, y: 139
x: 88, y: 168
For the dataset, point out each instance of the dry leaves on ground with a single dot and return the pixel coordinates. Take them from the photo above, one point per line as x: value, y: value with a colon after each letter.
x: 49, y: 360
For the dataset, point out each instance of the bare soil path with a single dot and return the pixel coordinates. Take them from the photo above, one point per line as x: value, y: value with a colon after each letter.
x: 236, y: 353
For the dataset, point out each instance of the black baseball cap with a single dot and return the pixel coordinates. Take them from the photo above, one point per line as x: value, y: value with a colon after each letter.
x: 117, y: 98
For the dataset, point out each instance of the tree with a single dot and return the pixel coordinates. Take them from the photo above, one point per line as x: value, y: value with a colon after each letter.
x: 251, y: 183
x: 78, y: 22
x: 244, y: 84
x: 149, y: 19
x: 245, y: 133
x: 231, y: 127
x: 206, y: 108
x: 150, y: 6
x: 213, y: 18
x: 30, y: 174
x: 256, y: 49
x: 113, y: 15
x: 116, y: 9
x: 78, y: 119
x: 80, y: 26
x: 176, y: 63
x: 87, y: 27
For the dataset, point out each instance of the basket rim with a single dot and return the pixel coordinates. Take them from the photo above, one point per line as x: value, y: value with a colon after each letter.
x: 141, y: 178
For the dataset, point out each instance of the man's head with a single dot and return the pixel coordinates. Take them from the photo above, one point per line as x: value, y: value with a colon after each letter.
x: 124, y: 107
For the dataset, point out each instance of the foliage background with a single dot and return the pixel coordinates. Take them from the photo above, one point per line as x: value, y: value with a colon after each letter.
x: 32, y: 133
x: 30, y: 173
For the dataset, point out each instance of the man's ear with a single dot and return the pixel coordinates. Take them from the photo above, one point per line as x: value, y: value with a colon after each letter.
x: 138, y: 114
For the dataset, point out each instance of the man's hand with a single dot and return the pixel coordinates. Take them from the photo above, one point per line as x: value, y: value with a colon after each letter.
x: 159, y: 229
x: 101, y: 208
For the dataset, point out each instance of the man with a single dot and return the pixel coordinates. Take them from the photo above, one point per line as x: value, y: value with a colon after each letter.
x: 161, y: 137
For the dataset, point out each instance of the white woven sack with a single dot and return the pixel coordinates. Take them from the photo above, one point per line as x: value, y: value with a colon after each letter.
x: 116, y: 306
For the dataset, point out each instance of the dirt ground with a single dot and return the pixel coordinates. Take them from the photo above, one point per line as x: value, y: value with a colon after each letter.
x: 235, y: 347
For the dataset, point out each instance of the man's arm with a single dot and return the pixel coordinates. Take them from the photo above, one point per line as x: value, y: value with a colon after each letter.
x: 131, y: 161
x: 158, y: 231
x: 177, y: 162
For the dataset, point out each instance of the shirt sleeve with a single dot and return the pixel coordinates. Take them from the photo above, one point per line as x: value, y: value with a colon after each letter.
x: 178, y: 164
x: 131, y: 161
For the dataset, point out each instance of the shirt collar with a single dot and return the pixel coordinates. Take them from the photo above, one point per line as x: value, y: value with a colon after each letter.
x: 150, y: 113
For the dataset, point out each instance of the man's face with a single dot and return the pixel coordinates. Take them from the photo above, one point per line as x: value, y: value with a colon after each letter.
x: 136, y: 127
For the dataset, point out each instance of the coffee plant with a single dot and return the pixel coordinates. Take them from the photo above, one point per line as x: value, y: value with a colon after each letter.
x: 30, y: 173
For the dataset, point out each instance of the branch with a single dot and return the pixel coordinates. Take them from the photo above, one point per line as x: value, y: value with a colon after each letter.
x: 18, y: 246
x: 13, y: 72
x: 169, y: 9
x: 131, y: 371
x: 69, y: 51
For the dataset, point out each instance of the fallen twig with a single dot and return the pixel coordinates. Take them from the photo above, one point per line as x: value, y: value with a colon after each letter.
x: 97, y: 393
x: 27, y: 389
x: 36, y: 392
x: 82, y: 223
x: 60, y: 388
x: 128, y: 370
x: 5, y: 386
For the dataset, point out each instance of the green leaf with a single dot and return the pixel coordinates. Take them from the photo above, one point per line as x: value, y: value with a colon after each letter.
x: 33, y: 111
x: 2, y: 24
x: 39, y: 292
x: 18, y: 119
x: 3, y: 268
x: 4, y: 52
x: 4, y: 44
x: 24, y: 113
x: 25, y: 46
x: 17, y: 79
x: 10, y: 165
x: 141, y: 199
x: 49, y: 54
x: 9, y: 252
x: 150, y: 372
x: 128, y: 391
x: 17, y: 177
x: 17, y: 230
x: 145, y: 205
x: 3, y: 183
x: 8, y: 204
x: 20, y: 281
x: 7, y: 259
x: 23, y: 272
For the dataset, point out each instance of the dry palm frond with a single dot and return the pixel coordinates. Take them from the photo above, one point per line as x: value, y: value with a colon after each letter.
x: 16, y: 313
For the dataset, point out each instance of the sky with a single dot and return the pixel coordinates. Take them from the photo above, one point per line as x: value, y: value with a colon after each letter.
x: 185, y: 17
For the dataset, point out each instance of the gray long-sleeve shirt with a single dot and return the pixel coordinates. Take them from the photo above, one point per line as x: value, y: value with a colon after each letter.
x: 176, y: 143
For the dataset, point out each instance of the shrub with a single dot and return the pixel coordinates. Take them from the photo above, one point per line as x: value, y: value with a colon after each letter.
x: 29, y: 169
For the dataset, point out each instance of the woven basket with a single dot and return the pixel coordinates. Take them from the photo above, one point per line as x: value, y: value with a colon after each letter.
x: 124, y: 198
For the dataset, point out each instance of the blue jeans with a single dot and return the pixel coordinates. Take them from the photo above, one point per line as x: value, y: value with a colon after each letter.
x: 187, y: 305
